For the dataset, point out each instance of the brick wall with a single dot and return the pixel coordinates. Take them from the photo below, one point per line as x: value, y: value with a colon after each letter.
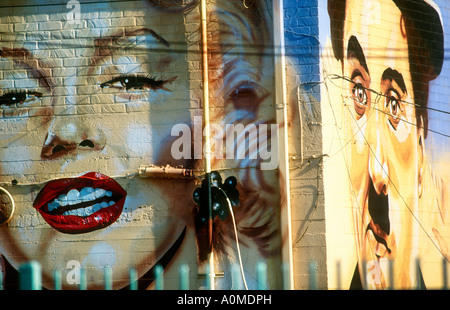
x: 305, y: 145
x: 101, y: 92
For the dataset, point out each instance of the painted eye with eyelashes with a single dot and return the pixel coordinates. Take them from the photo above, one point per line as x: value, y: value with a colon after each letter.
x: 247, y: 95
x: 137, y: 82
x: 360, y: 98
x: 19, y: 97
x: 393, y: 107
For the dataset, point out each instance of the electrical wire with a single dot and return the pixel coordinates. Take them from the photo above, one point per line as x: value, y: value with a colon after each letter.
x: 398, y: 192
x: 63, y: 4
x: 236, y: 238
x: 316, y: 203
x: 394, y: 186
x: 247, y: 54
x: 382, y: 95
x: 122, y: 176
x: 352, y: 188
x: 336, y: 76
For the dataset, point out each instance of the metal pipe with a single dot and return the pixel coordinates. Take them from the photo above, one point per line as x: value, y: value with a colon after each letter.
x: 165, y: 172
x: 206, y: 133
x: 282, y: 120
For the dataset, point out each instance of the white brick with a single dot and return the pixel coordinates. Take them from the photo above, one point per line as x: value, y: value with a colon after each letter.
x: 51, y: 25
x: 98, y: 23
x: 38, y: 35
x: 26, y: 83
x: 136, y: 13
x: 123, y: 60
x: 36, y: 18
x: 73, y: 81
x: 6, y: 28
x: 76, y: 62
x: 109, y: 14
x: 112, y: 108
x: 63, y: 34
x: 84, y: 33
x: 61, y: 72
x: 88, y: 13
x: 88, y: 71
x: 12, y: 19
x: 6, y: 84
x: 26, y: 27
x: 79, y: 24
x: 49, y: 44
x: 100, y: 99
x: 15, y: 113
x: 16, y: 74
x: 15, y: 36
x: 64, y: 109
x: 64, y: 53
x: 60, y: 17
x: 123, y: 22
x: 63, y: 91
x: 77, y: 100
x: 87, y: 89
x: 88, y: 109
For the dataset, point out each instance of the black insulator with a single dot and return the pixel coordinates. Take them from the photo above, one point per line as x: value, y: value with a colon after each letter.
x: 221, y: 193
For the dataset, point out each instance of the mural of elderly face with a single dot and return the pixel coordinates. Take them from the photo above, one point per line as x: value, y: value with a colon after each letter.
x: 84, y: 107
x: 385, y: 91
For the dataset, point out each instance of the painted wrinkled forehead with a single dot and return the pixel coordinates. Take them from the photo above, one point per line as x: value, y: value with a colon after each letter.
x: 174, y: 6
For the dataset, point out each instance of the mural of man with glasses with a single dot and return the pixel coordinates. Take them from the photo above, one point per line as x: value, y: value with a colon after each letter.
x: 388, y: 59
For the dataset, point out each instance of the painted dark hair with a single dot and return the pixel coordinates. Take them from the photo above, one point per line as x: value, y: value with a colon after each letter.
x: 425, y: 45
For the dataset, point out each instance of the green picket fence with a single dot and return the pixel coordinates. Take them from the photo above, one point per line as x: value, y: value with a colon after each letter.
x: 30, y: 277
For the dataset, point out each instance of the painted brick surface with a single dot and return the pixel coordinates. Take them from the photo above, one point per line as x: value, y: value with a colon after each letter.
x: 399, y: 153
x: 92, y: 91
x: 99, y: 88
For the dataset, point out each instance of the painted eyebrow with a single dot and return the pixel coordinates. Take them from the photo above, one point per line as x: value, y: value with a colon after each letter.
x: 108, y: 45
x: 114, y: 42
x: 391, y: 74
x: 22, y: 57
x: 354, y: 50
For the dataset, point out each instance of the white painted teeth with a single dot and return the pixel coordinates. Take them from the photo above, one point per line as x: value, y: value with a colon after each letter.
x: 86, y: 194
x: 89, y: 210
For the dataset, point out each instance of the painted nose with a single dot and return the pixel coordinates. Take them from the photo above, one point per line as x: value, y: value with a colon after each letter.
x: 69, y: 139
x: 378, y: 167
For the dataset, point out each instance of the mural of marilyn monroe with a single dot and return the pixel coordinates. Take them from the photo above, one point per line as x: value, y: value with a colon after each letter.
x: 85, y: 105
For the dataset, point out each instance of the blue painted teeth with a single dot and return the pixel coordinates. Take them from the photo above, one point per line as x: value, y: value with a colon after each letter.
x: 85, y: 195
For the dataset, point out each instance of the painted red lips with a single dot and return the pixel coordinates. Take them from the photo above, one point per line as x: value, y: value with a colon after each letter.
x: 79, y: 205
